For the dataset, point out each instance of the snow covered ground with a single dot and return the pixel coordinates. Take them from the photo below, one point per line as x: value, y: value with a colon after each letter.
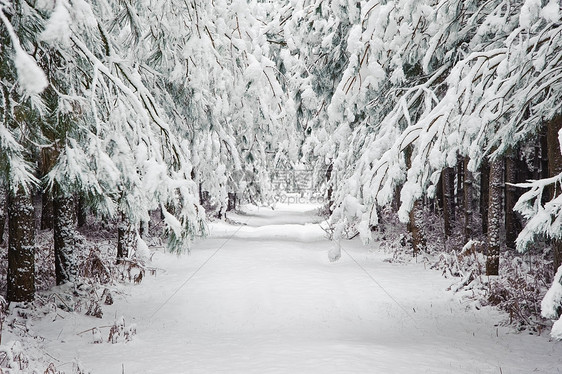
x: 263, y: 298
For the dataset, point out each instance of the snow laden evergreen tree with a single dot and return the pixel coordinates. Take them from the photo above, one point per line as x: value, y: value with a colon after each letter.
x: 425, y: 83
x: 140, y: 113
x: 213, y: 60
x: 313, y: 37
x: 263, y: 117
x: 259, y: 110
x: 110, y: 139
x: 136, y: 161
x: 393, y: 60
x: 150, y: 65
x: 21, y: 80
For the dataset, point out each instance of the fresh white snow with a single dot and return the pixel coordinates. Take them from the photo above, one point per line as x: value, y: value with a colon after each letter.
x: 264, y: 298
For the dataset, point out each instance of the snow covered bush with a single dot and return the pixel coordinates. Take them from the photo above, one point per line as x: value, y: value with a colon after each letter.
x: 118, y: 332
x: 14, y: 360
x: 520, y: 287
x: 517, y: 290
x: 96, y: 267
x: 551, y: 305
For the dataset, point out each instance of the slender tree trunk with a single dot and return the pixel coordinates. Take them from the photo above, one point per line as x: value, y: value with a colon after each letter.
x: 81, y: 214
x: 47, y: 161
x: 439, y: 195
x: 3, y: 212
x: 512, y: 225
x: 467, y: 231
x: 204, y: 198
x: 494, y: 218
x: 201, y: 195
x: 555, y: 168
x: 537, y: 159
x: 231, y: 204
x: 447, y: 180
x: 396, y: 199
x: 21, y: 247
x: 330, y: 192
x: 460, y: 182
x: 416, y: 227
x: 64, y: 233
x: 484, y: 194
x: 126, y: 238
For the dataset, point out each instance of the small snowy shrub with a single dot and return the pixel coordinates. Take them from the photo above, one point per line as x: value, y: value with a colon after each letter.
x: 96, y: 336
x: 142, y: 253
x: 131, y: 270
x: 520, y: 288
x: 107, y: 297
x: 94, y: 308
x: 121, y: 333
x: 96, y: 268
x: 51, y: 369
x: 13, y: 357
x: 334, y: 254
x: 78, y: 369
x: 14, y: 360
x: 551, y: 305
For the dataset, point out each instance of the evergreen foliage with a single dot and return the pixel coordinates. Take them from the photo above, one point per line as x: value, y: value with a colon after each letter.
x: 150, y: 105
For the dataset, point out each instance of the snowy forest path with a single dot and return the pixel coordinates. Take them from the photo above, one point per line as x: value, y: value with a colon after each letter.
x: 262, y: 297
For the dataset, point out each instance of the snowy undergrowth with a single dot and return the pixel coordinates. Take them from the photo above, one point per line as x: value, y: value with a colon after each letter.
x: 100, y: 280
x: 518, y: 290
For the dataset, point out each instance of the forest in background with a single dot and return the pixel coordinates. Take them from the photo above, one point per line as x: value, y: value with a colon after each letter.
x: 444, y: 115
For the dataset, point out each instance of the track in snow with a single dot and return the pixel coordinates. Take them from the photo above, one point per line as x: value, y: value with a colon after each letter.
x: 267, y: 300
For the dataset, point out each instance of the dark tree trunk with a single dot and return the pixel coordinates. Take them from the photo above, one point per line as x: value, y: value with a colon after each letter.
x: 494, y: 218
x: 447, y: 181
x: 537, y: 158
x: 439, y: 195
x: 64, y: 233
x: 467, y: 231
x: 484, y: 194
x: 202, y: 195
x: 396, y: 199
x: 416, y: 227
x: 555, y: 168
x: 3, y: 212
x: 46, y: 162
x: 81, y: 214
x: 232, y: 200
x: 126, y: 238
x: 512, y: 224
x: 21, y: 247
x: 460, y: 182
x: 330, y: 192
x: 204, y: 198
